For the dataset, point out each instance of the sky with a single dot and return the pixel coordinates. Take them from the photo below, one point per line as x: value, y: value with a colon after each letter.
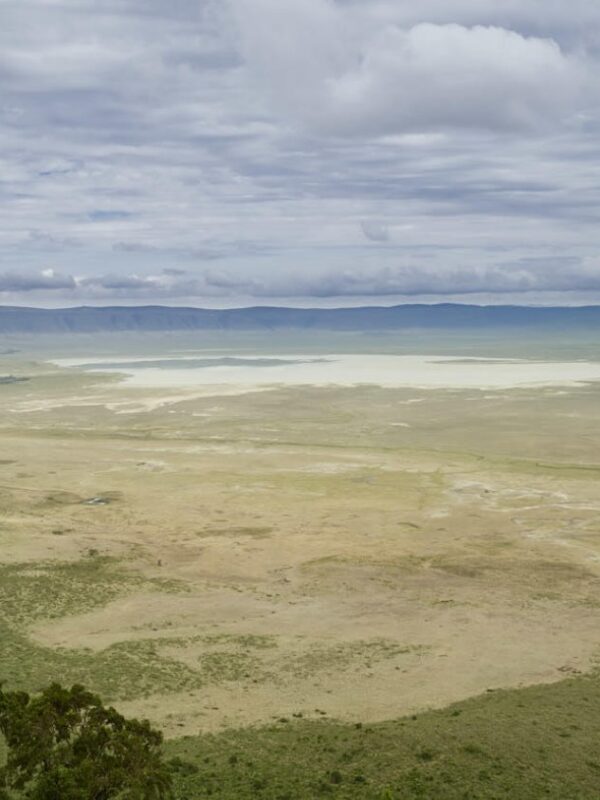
x: 299, y: 152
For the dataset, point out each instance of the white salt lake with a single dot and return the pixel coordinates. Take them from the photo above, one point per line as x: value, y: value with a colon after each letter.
x: 388, y: 371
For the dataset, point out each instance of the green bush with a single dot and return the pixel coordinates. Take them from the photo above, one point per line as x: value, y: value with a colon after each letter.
x: 65, y: 745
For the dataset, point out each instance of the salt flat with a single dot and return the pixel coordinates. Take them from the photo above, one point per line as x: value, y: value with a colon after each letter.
x: 388, y: 371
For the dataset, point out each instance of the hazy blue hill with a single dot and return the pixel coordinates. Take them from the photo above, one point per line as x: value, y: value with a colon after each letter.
x: 85, y: 319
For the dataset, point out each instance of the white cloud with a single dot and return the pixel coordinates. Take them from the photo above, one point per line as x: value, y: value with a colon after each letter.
x: 436, y: 76
x: 338, y: 71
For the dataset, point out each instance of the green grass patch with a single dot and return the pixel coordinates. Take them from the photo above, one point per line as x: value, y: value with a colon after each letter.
x: 539, y: 742
x: 49, y: 590
x: 346, y: 655
x: 45, y: 591
x: 30, y: 592
x: 243, y: 640
x: 123, y: 671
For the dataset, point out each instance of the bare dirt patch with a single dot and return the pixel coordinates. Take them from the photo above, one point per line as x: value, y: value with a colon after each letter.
x: 224, y: 564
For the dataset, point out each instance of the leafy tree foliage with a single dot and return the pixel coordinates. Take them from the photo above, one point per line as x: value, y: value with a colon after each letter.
x: 65, y: 745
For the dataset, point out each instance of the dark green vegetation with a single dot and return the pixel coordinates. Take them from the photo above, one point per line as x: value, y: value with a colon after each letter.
x: 526, y: 744
x: 539, y: 742
x: 65, y: 745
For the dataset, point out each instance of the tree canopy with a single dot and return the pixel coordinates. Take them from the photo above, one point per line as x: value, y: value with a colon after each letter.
x: 63, y: 744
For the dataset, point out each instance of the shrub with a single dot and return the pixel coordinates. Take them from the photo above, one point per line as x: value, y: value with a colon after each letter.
x: 65, y: 745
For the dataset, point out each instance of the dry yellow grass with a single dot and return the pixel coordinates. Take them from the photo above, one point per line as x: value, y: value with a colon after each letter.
x: 346, y: 550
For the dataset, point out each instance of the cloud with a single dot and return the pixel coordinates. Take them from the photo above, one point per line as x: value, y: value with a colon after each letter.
x: 317, y: 149
x: 385, y: 78
x: 575, y: 23
x: 107, y: 215
x: 524, y: 276
x: 375, y: 232
x: 557, y: 274
x: 129, y: 283
x: 433, y: 76
x: 47, y: 280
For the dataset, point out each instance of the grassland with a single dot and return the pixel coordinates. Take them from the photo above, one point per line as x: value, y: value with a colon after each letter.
x: 330, y: 557
x: 539, y: 742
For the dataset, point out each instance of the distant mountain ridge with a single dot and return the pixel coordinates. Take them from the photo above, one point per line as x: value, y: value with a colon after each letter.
x: 90, y: 319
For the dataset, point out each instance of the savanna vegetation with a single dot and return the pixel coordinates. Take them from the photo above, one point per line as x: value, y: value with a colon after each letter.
x: 266, y: 577
x: 527, y: 744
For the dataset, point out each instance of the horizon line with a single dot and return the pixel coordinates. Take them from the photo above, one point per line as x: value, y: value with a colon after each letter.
x: 262, y: 306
